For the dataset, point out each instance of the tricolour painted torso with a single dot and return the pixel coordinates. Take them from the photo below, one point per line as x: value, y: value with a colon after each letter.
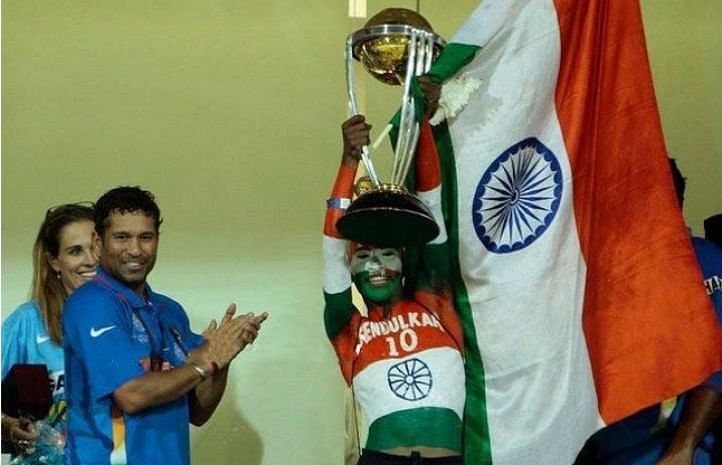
x: 407, y: 373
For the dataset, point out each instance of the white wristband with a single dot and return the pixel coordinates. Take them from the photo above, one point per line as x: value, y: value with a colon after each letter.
x: 338, y: 202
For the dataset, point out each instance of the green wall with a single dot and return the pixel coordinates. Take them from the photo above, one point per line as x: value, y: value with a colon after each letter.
x: 229, y: 111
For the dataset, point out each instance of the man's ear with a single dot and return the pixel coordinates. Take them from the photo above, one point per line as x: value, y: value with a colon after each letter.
x: 97, y: 245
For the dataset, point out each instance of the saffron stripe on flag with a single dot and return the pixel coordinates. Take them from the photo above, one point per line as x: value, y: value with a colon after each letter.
x: 522, y: 277
x: 642, y: 269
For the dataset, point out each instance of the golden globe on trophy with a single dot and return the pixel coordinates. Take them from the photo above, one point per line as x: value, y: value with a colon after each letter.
x: 394, y: 46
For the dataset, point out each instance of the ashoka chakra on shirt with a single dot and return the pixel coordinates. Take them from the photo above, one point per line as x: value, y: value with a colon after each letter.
x: 410, y: 379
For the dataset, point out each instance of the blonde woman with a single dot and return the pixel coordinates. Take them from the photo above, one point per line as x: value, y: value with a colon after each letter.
x: 64, y: 257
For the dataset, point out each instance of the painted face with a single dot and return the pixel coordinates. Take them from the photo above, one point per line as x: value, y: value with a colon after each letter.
x: 376, y: 272
x: 77, y: 255
x: 129, y: 248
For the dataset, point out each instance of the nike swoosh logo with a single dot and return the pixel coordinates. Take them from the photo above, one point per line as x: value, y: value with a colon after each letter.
x: 97, y: 332
x: 40, y: 339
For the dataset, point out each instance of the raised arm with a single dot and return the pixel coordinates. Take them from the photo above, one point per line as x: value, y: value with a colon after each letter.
x: 337, y: 275
x: 703, y: 409
x: 435, y: 272
x: 339, y: 308
x: 433, y: 284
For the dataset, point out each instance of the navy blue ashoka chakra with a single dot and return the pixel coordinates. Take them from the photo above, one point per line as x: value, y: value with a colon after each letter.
x: 410, y: 379
x: 517, y: 197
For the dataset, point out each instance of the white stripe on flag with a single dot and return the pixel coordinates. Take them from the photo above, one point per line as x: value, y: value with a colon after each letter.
x: 432, y: 199
x: 526, y: 304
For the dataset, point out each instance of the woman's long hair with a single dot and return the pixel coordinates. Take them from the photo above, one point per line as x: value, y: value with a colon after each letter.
x: 47, y: 288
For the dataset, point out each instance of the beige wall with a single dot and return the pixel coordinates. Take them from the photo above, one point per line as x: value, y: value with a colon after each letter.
x: 229, y: 111
x: 685, y: 47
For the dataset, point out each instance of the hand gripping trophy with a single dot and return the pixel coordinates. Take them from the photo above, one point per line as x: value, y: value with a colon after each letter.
x: 394, y: 46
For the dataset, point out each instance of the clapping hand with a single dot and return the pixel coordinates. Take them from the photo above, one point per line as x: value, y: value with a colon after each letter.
x: 228, y: 338
x: 251, y: 327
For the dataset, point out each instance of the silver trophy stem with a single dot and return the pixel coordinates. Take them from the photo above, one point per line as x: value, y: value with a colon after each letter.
x: 382, y: 136
x: 413, y: 137
x: 429, y: 52
x: 404, y: 141
x: 423, y: 64
x: 421, y: 53
x: 424, y: 47
x: 353, y: 107
x: 350, y: 88
x: 407, y: 104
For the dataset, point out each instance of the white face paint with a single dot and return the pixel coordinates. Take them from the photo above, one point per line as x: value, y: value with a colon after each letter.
x: 375, y: 261
x: 377, y: 273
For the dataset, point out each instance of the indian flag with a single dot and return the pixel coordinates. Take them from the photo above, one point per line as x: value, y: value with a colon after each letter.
x: 578, y: 289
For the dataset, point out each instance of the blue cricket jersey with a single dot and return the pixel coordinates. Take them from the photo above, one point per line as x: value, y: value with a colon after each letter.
x: 111, y: 336
x: 25, y: 340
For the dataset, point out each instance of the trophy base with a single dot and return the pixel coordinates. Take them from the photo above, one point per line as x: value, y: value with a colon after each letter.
x: 388, y: 217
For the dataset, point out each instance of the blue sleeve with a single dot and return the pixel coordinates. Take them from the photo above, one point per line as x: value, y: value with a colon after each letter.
x: 715, y: 382
x: 15, y: 337
x: 710, y: 261
x: 182, y: 324
x: 98, y: 332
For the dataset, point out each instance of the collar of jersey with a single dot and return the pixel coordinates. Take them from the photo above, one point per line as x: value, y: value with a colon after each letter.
x: 134, y: 300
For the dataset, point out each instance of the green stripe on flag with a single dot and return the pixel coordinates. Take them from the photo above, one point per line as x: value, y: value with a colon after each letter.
x: 477, y: 443
x: 454, y: 57
x: 439, y: 427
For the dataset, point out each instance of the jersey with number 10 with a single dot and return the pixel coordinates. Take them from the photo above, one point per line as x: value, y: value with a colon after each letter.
x: 404, y: 363
x: 407, y: 373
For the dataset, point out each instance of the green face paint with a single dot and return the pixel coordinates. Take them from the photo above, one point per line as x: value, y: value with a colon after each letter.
x: 376, y: 272
x: 375, y: 289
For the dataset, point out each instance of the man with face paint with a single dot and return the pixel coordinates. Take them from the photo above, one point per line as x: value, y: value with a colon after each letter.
x: 403, y: 359
x: 377, y: 273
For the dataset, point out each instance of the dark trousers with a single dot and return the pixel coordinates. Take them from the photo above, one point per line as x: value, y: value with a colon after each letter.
x: 370, y: 457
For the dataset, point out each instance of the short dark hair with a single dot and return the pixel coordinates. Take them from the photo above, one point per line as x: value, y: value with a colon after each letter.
x: 125, y: 199
x: 680, y: 182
